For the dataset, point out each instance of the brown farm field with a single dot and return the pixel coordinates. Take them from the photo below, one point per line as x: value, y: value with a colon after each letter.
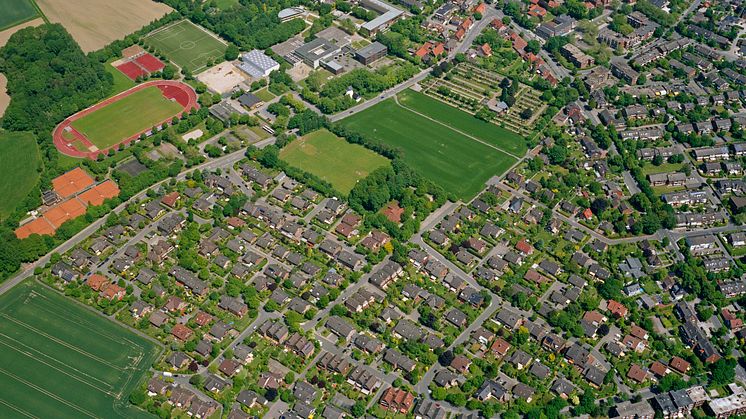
x: 5, y: 35
x: 96, y: 23
x: 4, y: 98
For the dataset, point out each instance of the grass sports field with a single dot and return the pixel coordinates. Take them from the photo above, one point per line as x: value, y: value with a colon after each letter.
x: 15, y: 12
x: 460, y: 164
x: 187, y: 45
x: 332, y: 158
x: 126, y: 117
x: 464, y: 122
x: 62, y: 360
x: 19, y: 161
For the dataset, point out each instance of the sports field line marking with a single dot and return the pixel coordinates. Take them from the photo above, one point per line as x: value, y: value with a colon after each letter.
x: 61, y: 342
x: 95, y: 387
x: 18, y: 409
x: 166, y: 35
x: 47, y: 393
x: 205, y: 56
x: 29, y: 352
x: 166, y: 28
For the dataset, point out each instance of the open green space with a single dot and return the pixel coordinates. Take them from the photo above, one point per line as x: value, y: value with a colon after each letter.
x: 332, y: 158
x: 464, y: 122
x: 461, y: 165
x: 187, y: 45
x: 19, y: 164
x: 265, y: 95
x: 15, y: 12
x: 649, y: 168
x: 126, y: 117
x: 121, y: 82
x: 62, y: 360
x: 225, y: 4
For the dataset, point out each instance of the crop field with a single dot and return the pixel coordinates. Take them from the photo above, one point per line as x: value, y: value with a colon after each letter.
x: 187, y: 45
x: 96, y: 23
x: 128, y: 116
x: 464, y: 122
x: 458, y: 163
x: 61, y: 360
x: 19, y: 161
x: 15, y: 12
x: 333, y: 159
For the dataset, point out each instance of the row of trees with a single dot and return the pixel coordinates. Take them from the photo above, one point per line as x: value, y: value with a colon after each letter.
x: 248, y: 24
x: 333, y: 98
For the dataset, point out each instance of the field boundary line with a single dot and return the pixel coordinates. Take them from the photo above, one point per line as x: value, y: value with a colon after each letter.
x: 47, y: 393
x: 396, y: 99
x: 39, y: 15
x: 18, y: 409
x: 88, y: 325
x: 41, y: 12
x: 29, y: 352
x: 100, y: 315
x: 61, y: 342
x: 78, y: 379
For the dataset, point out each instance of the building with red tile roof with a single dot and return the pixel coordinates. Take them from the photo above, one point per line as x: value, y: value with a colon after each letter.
x: 659, y: 369
x: 424, y: 50
x: 171, y: 199
x: 396, y: 400
x: 113, y: 292
x: 182, y: 332
x: 523, y: 247
x: 393, y: 212
x: 438, y: 49
x: 460, y: 33
x: 500, y: 347
x: 679, y: 365
x: 636, y: 373
x: 617, y: 309
x: 97, y: 282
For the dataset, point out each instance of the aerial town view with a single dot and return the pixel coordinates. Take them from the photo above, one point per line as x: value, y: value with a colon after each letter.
x: 405, y: 209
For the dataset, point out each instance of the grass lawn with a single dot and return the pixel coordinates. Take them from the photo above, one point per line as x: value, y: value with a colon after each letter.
x: 126, y: 117
x: 225, y: 4
x: 19, y: 161
x: 264, y: 94
x: 187, y: 45
x: 63, y: 360
x: 464, y: 122
x: 456, y: 162
x: 332, y: 158
x: 649, y: 168
x: 121, y: 82
x: 15, y: 12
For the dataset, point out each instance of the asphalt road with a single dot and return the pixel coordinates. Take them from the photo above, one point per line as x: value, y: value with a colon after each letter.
x: 221, y: 162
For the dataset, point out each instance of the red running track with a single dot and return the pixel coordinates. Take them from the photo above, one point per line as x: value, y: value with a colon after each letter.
x: 182, y: 93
